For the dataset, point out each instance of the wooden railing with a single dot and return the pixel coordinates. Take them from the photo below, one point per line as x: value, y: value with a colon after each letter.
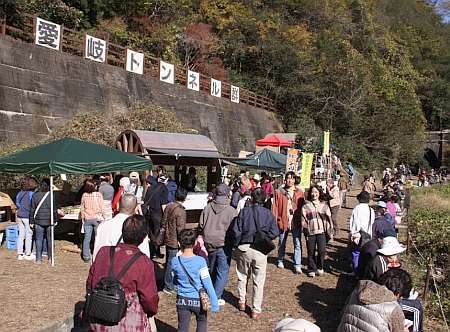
x: 72, y: 42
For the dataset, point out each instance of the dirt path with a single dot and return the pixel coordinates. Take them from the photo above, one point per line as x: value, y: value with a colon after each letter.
x: 35, y: 296
x: 286, y: 294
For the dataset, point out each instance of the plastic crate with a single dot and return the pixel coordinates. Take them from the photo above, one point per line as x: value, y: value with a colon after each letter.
x: 11, y: 244
x: 12, y: 233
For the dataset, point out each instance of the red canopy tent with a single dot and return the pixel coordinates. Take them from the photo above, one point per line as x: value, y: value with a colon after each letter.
x: 274, y: 140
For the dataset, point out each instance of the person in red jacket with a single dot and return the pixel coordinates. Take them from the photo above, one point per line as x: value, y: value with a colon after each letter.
x: 138, y: 282
x: 286, y: 208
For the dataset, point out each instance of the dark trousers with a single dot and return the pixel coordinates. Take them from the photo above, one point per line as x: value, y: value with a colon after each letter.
x: 185, y: 308
x: 154, y: 226
x: 314, y: 242
x: 42, y: 233
x: 168, y: 278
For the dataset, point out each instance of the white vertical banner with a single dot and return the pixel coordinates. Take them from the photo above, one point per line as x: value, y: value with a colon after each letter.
x: 193, y: 80
x: 135, y: 62
x: 216, y: 88
x: 166, y: 72
x: 234, y: 94
x: 47, y: 34
x: 95, y: 49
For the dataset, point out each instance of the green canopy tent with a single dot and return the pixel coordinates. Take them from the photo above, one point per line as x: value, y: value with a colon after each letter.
x: 70, y: 156
x: 264, y: 160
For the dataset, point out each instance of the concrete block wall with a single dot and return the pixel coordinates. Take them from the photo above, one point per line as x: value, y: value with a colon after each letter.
x: 41, y: 88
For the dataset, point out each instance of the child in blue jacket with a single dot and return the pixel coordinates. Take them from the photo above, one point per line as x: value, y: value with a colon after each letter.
x: 188, y: 300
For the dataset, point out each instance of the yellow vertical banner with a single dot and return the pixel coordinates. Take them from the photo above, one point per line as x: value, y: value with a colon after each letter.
x: 326, y: 143
x: 292, y: 161
x: 307, y: 161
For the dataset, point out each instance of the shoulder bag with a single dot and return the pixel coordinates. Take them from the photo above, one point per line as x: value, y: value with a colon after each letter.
x: 262, y: 242
x: 38, y: 207
x: 202, y: 293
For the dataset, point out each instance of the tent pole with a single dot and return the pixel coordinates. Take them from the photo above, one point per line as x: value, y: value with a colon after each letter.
x: 52, y: 222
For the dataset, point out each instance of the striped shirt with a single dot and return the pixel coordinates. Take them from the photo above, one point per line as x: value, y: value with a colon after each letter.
x: 92, y: 206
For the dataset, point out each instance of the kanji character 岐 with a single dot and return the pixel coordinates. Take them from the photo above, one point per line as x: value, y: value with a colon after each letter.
x: 95, y: 48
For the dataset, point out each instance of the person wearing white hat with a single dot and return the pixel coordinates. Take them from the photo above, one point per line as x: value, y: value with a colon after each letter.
x: 296, y: 325
x: 385, y: 259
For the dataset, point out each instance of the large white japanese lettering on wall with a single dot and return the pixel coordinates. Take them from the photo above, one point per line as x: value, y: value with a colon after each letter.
x: 166, y: 72
x: 234, y: 94
x: 47, y: 34
x: 216, y: 88
x: 193, y: 80
x: 135, y: 62
x: 50, y: 35
x: 95, y: 49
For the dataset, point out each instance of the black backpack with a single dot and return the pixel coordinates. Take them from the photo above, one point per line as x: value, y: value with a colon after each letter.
x: 106, y: 303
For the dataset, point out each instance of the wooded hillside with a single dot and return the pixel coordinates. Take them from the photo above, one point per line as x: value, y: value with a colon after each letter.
x: 374, y: 72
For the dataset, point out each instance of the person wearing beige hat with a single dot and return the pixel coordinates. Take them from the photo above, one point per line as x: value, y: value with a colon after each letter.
x: 387, y: 257
x: 137, y: 190
x: 296, y: 325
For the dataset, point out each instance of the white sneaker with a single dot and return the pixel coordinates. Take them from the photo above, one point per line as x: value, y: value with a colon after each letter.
x: 30, y: 257
x: 20, y: 257
x: 280, y: 265
x: 311, y: 274
x: 298, y: 270
x: 221, y: 302
x: 320, y: 272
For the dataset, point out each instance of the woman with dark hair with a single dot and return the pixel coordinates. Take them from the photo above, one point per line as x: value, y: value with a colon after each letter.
x: 40, y: 214
x: 92, y: 213
x: 138, y: 282
x: 23, y: 203
x: 316, y: 222
x: 190, y: 275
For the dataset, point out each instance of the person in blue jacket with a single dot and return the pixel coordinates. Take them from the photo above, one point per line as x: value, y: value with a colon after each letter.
x: 190, y: 275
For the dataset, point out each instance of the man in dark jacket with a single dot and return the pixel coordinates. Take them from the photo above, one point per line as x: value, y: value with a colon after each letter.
x: 369, y: 250
x: 173, y: 221
x: 249, y: 261
x: 215, y: 219
x: 155, y: 201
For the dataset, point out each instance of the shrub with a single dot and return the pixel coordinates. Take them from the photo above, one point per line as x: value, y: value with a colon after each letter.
x: 429, y: 223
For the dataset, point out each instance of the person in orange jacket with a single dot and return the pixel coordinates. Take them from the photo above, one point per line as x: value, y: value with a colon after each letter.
x: 286, y: 208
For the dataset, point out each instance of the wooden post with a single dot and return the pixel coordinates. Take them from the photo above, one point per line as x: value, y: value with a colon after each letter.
x: 407, y: 240
x: 427, y: 280
x: 3, y: 26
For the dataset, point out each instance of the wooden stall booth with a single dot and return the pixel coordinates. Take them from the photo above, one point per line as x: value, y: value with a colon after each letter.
x: 177, y: 150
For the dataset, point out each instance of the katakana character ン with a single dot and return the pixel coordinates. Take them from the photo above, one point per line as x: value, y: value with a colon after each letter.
x: 48, y: 34
x: 169, y: 73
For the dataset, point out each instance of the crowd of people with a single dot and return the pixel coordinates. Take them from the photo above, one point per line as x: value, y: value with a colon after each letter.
x: 128, y: 226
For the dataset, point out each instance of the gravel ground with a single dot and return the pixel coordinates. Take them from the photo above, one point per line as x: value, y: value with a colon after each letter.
x: 36, y: 296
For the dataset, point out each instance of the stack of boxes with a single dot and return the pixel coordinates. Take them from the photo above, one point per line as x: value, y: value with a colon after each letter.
x: 12, y: 233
